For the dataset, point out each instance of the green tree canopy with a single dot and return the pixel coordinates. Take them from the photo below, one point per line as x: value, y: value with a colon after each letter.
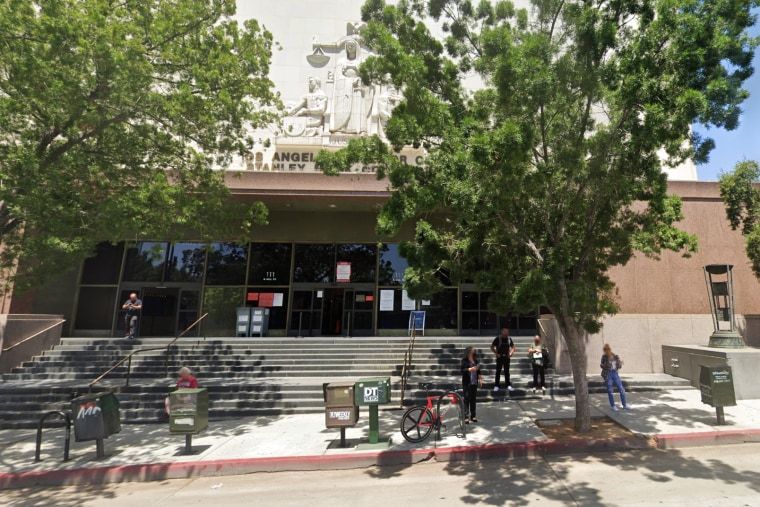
x: 742, y: 199
x: 549, y: 173
x: 113, y: 117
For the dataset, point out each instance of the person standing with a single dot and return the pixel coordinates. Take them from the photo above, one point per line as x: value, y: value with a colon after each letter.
x: 611, y: 364
x: 472, y: 378
x: 503, y: 348
x: 538, y: 355
x: 132, y: 306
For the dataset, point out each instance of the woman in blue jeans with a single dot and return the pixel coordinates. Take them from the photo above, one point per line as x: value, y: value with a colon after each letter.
x: 611, y: 364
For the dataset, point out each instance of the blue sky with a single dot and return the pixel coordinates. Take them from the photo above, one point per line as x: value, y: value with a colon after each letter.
x: 744, y: 142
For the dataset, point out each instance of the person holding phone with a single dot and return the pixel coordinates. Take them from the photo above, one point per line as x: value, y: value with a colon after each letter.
x: 472, y: 378
x: 132, y: 307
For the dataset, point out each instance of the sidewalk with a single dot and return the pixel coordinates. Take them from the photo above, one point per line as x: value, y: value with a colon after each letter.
x: 667, y: 419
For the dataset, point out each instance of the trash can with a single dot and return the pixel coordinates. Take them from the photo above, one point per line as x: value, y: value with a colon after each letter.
x: 188, y: 414
x: 96, y: 416
x: 340, y: 411
x: 259, y: 321
x: 243, y: 323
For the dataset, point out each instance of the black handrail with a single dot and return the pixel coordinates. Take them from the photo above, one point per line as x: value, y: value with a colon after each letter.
x: 67, y: 443
x: 128, y: 358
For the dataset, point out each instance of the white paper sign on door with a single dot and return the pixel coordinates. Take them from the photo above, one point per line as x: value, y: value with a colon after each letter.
x: 406, y: 302
x: 386, y: 300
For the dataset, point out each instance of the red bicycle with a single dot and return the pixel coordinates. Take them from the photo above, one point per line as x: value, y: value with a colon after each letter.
x: 419, y: 421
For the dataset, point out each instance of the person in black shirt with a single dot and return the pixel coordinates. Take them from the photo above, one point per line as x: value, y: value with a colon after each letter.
x: 132, y: 306
x: 472, y: 378
x: 503, y: 348
x: 538, y: 355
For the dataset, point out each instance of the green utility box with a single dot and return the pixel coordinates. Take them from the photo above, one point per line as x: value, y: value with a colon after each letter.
x: 96, y: 416
x: 372, y: 391
x: 716, y: 385
x: 188, y: 411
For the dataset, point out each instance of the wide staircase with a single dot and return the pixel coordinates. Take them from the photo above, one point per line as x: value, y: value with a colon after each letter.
x: 257, y: 376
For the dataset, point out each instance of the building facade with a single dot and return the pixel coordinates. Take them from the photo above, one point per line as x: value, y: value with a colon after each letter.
x: 319, y: 265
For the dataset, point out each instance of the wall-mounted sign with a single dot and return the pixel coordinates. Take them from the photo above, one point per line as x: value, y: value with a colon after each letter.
x: 343, y: 272
x: 406, y: 302
x: 386, y: 300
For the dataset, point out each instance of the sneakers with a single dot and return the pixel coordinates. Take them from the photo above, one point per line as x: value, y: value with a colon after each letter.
x: 628, y: 407
x: 510, y: 388
x: 543, y: 390
x: 496, y: 389
x: 614, y: 408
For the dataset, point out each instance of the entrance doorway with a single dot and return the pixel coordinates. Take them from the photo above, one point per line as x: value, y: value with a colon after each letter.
x: 159, y: 314
x: 333, y: 311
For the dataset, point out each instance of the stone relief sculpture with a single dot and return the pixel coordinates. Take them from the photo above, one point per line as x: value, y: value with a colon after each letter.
x: 307, y: 117
x: 386, y: 103
x: 352, y: 100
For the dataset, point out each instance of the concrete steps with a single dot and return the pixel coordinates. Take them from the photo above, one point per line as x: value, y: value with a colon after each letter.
x: 258, y: 377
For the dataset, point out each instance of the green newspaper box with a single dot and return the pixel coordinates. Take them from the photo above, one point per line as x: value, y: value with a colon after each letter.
x: 716, y: 385
x: 96, y: 416
x: 372, y: 391
x: 188, y: 411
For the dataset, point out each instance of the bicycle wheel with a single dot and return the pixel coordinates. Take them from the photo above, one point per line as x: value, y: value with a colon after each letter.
x: 462, y: 424
x: 416, y: 424
x: 449, y: 406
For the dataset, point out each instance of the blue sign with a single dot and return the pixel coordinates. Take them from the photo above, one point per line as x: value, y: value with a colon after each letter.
x: 417, y: 321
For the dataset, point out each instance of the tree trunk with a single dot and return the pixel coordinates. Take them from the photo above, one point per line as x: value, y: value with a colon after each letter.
x: 576, y: 344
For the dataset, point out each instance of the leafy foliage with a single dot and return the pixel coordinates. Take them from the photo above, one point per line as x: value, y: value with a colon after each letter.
x: 113, y: 117
x: 550, y: 173
x: 742, y: 199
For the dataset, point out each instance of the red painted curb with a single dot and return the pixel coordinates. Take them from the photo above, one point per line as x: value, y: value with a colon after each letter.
x: 241, y: 466
x: 706, y: 438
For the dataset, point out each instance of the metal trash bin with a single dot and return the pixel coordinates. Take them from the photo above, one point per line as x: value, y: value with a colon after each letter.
x: 188, y: 414
x: 259, y: 322
x: 243, y: 322
x: 96, y: 416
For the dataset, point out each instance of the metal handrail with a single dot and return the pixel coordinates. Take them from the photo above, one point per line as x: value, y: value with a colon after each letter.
x: 407, y: 362
x: 35, y: 335
x: 128, y: 358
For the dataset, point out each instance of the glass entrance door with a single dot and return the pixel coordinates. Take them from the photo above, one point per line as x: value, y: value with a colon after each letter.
x: 332, y: 311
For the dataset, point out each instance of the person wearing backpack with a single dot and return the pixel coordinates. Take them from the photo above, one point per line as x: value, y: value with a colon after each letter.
x: 503, y: 348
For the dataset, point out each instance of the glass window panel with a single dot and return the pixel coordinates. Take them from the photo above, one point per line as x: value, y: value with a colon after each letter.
x: 103, y: 267
x: 186, y: 262
x: 189, y: 300
x: 469, y: 300
x: 314, y: 263
x: 302, y: 299
x: 396, y: 319
x: 221, y: 304
x: 470, y: 321
x: 364, y: 300
x: 362, y: 321
x: 274, y: 299
x: 145, y: 262
x: 363, y: 259
x: 442, y: 312
x: 270, y: 264
x: 96, y: 307
x: 226, y: 264
x: 392, y: 265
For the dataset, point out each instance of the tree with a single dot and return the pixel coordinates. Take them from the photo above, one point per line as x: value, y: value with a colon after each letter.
x: 113, y: 119
x: 549, y: 173
x: 742, y: 199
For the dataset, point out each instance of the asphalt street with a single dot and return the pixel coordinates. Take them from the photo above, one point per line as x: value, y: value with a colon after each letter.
x: 707, y: 476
